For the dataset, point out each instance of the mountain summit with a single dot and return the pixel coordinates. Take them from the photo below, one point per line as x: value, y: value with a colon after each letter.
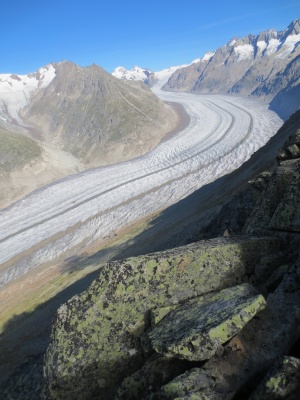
x: 96, y: 117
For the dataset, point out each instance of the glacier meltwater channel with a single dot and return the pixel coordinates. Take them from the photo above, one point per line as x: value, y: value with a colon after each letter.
x: 53, y: 222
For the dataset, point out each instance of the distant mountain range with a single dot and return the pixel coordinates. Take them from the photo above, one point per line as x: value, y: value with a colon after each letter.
x: 149, y: 77
x: 266, y: 66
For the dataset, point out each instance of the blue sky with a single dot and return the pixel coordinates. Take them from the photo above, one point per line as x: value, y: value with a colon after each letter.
x: 153, y: 34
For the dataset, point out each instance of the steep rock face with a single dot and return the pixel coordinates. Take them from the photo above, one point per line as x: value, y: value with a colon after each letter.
x: 96, y: 338
x: 245, y: 205
x: 265, y: 66
x: 96, y: 117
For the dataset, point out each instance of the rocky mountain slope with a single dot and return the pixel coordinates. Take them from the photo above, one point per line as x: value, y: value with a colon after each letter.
x: 265, y: 66
x: 78, y: 118
x: 96, y: 117
x: 206, y: 320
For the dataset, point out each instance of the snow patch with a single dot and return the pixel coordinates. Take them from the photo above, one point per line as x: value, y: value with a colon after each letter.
x: 135, y: 74
x: 272, y: 46
x: 207, y: 56
x: 262, y: 45
x: 244, y: 52
x: 289, y: 46
x: 16, y: 90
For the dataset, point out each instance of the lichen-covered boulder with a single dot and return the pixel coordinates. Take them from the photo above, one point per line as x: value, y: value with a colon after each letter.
x: 156, y: 372
x: 281, y: 382
x: 95, y: 341
x: 193, y: 384
x: 268, y: 336
x: 199, y: 327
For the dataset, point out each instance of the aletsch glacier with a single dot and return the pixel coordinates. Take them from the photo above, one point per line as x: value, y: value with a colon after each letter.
x: 60, y: 219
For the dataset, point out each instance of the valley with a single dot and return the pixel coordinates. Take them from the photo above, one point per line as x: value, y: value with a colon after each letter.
x: 61, y: 219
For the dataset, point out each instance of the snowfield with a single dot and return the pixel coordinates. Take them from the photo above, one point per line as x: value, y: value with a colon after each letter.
x: 53, y: 222
x: 16, y: 90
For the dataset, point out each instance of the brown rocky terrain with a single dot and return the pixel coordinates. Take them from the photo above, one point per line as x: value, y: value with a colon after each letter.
x: 82, y: 119
x: 98, y: 118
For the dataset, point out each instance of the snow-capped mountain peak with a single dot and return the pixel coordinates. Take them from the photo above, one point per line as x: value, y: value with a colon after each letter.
x: 155, y: 79
x: 135, y: 74
x: 16, y: 90
x: 207, y: 56
x: 266, y: 43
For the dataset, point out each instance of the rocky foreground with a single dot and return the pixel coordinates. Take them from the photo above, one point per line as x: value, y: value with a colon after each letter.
x: 216, y: 319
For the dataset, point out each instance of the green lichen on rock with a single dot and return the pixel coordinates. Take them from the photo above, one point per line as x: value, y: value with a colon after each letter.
x: 95, y: 342
x: 194, y: 384
x: 156, y: 372
x: 281, y: 382
x: 198, y: 328
x: 159, y: 313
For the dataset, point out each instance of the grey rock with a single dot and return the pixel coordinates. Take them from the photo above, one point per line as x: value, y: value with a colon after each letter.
x: 95, y: 342
x: 279, y: 205
x: 260, y: 343
x: 194, y: 384
x: 156, y: 372
x: 198, y: 328
x: 281, y: 382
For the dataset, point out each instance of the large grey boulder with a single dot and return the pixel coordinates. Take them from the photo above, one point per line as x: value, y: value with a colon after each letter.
x: 281, y: 382
x: 95, y: 341
x: 268, y: 336
x: 197, y: 329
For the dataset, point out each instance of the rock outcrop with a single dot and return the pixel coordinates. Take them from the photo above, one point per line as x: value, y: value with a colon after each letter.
x: 96, y: 339
x: 282, y: 381
x: 278, y: 208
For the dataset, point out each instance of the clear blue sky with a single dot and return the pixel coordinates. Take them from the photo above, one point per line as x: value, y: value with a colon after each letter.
x: 110, y: 33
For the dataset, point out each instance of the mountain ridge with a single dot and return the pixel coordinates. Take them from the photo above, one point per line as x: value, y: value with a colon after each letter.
x: 250, y: 66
